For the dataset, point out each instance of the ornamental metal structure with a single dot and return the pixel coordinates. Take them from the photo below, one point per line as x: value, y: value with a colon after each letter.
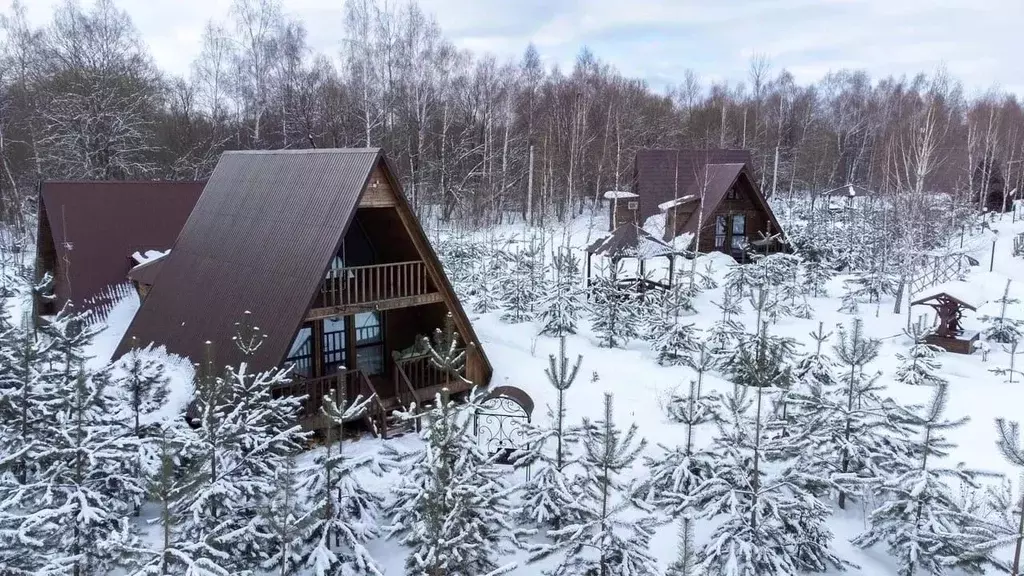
x: 499, y: 421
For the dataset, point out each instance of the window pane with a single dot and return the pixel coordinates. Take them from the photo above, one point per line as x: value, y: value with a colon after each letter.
x: 368, y: 328
x: 720, y: 225
x: 300, y: 354
x: 334, y: 345
x: 739, y: 224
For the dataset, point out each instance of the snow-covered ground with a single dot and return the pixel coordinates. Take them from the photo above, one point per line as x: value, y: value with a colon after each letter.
x: 639, y: 384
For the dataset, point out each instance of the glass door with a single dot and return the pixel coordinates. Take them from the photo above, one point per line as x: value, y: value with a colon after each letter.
x: 738, y: 235
x: 369, y: 337
x: 335, y: 345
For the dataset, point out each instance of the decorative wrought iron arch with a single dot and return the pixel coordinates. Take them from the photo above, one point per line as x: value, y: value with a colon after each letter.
x: 498, y: 421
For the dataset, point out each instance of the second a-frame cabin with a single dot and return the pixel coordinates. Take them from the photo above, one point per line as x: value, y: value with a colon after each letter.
x: 320, y: 250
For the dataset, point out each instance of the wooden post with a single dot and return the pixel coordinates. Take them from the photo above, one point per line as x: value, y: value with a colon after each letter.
x: 992, y: 259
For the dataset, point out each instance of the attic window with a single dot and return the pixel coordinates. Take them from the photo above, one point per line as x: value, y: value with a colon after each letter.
x: 632, y: 205
x: 373, y: 183
x: 732, y: 194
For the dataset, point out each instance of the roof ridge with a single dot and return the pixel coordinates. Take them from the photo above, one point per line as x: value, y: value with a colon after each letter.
x: 309, y: 151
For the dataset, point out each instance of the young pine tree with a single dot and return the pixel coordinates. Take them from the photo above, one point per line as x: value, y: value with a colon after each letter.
x: 603, y: 541
x: 174, y: 554
x: 614, y: 310
x: 918, y: 515
x: 242, y: 436
x: 854, y: 351
x: 85, y: 483
x: 768, y: 525
x: 547, y: 496
x: 340, y: 515
x: 519, y: 286
x: 919, y: 366
x: 451, y: 507
x: 678, y: 471
x: 1004, y: 328
x: 562, y: 305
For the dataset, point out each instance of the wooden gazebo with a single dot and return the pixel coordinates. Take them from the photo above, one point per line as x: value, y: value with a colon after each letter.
x: 949, y: 302
x: 630, y: 241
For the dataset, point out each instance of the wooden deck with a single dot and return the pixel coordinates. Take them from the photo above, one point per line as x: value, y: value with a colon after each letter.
x: 414, y: 384
x: 377, y: 287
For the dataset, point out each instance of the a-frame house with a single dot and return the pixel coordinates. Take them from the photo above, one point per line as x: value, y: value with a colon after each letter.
x: 321, y: 251
x: 709, y: 194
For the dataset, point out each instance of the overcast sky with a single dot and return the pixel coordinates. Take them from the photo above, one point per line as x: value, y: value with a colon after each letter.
x: 979, y: 41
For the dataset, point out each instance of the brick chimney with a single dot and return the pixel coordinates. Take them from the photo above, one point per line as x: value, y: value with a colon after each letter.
x: 623, y: 208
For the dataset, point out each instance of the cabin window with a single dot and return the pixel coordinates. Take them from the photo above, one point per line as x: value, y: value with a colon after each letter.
x: 300, y: 354
x: 731, y: 194
x: 720, y: 230
x: 369, y: 343
x: 334, y: 345
x: 739, y: 231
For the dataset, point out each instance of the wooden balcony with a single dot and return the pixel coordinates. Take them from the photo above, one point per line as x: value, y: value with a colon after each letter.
x: 376, y: 287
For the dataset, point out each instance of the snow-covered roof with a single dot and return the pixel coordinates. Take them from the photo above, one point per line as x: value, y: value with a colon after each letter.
x: 149, y: 256
x: 618, y: 194
x: 665, y: 206
x: 969, y: 293
x: 630, y: 240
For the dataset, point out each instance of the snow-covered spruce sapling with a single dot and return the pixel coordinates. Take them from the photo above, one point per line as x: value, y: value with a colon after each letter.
x: 144, y: 381
x: 520, y: 289
x: 726, y: 331
x: 451, y: 508
x: 1009, y: 444
x: 243, y: 435
x: 562, y: 305
x: 1011, y: 370
x: 602, y: 540
x: 28, y: 389
x: 816, y: 274
x: 1003, y: 328
x: 675, y: 342
x: 85, y: 482
x: 918, y: 515
x: 854, y: 351
x: 340, y: 513
x: 547, y: 495
x: 919, y: 366
x: 282, y: 514
x: 173, y: 554
x: 614, y: 309
x: 768, y: 525
x: 677, y: 472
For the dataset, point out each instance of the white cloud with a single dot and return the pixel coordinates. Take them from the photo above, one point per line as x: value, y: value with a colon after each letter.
x: 659, y: 39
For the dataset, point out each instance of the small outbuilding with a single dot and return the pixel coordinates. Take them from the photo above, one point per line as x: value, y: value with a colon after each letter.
x: 949, y: 301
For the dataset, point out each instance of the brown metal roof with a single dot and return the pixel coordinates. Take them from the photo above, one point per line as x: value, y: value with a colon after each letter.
x: 96, y: 226
x: 663, y: 175
x: 260, y: 240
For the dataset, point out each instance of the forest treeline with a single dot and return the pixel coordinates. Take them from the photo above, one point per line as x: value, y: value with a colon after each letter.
x: 81, y: 98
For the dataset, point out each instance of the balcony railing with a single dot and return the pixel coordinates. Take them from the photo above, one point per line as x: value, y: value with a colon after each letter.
x: 351, y: 383
x: 357, y: 285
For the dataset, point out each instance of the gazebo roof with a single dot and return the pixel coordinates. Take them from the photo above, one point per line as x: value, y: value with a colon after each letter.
x: 631, y: 241
x: 963, y: 293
